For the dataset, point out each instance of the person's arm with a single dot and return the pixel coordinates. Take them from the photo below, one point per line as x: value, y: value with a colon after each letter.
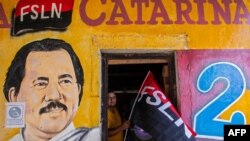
x: 113, y: 131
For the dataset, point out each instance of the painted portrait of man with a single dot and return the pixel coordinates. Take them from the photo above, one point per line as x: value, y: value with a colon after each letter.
x: 48, y: 77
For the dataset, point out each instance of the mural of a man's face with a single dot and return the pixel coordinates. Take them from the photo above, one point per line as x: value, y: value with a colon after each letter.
x: 49, y: 90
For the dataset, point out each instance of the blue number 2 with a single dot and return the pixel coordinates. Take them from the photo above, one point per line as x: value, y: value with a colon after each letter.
x: 207, y: 123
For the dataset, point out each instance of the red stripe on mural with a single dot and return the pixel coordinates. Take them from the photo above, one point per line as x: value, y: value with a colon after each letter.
x: 38, y: 6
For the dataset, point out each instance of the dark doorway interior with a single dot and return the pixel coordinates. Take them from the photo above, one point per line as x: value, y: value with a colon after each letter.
x: 129, y: 77
x: 125, y: 72
x: 126, y: 80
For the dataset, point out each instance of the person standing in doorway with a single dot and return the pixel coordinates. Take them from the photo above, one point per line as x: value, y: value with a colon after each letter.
x: 115, y: 124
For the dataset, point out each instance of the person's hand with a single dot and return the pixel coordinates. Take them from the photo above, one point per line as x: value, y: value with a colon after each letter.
x: 126, y: 125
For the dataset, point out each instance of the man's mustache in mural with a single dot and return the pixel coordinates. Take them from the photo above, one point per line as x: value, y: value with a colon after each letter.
x: 53, y: 106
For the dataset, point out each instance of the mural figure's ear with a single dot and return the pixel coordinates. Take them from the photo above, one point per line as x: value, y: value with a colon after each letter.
x: 12, y: 94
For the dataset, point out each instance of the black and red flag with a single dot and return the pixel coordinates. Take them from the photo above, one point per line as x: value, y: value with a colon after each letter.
x: 156, y: 115
x: 37, y: 15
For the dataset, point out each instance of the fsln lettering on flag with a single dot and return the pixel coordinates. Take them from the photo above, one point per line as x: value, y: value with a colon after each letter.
x: 155, y: 114
x: 38, y: 15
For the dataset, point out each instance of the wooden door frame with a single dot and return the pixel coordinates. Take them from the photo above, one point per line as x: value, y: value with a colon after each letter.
x: 107, y: 55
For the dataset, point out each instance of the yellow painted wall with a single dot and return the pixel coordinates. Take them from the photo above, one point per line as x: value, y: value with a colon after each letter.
x: 88, y: 40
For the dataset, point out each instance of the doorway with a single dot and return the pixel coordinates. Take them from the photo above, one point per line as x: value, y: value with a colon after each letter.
x: 124, y: 73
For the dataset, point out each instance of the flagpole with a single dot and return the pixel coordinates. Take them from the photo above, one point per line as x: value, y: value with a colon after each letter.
x: 130, y: 115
